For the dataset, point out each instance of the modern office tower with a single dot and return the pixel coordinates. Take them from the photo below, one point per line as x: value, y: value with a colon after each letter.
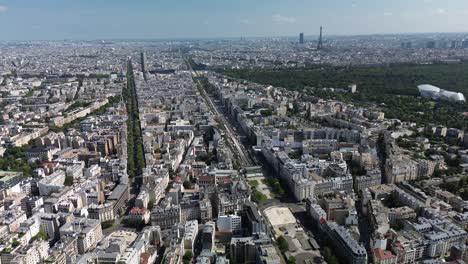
x: 453, y: 44
x: 320, y: 41
x: 143, y: 61
x: 301, y: 38
x: 406, y: 45
x: 465, y: 44
x: 431, y: 44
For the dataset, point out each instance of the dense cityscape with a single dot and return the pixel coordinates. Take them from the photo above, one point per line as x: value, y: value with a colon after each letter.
x: 272, y: 150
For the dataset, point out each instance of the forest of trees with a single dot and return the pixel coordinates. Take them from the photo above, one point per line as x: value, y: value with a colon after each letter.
x: 393, y: 87
x: 15, y: 160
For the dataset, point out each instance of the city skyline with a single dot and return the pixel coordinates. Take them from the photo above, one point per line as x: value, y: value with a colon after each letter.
x: 228, y: 132
x: 56, y: 20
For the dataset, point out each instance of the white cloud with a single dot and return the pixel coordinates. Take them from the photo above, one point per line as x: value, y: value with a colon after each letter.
x: 424, y: 14
x: 461, y: 12
x: 281, y: 20
x: 405, y: 14
x: 412, y: 15
x: 387, y: 14
x: 441, y: 11
x: 3, y: 8
x: 245, y: 21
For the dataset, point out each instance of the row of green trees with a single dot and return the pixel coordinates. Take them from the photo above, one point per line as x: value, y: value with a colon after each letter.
x: 196, y: 66
x: 78, y: 104
x: 135, y: 150
x: 457, y: 187
x: 111, y: 101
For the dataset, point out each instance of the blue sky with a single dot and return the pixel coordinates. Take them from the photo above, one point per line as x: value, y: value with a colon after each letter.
x: 107, y: 19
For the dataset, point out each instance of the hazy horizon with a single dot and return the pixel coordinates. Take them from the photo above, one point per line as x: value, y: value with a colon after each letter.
x: 210, y: 19
x: 220, y: 38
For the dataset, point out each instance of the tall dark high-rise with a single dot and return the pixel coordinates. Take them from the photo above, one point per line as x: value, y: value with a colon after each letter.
x: 320, y: 42
x: 143, y: 64
x: 143, y: 61
x: 301, y: 38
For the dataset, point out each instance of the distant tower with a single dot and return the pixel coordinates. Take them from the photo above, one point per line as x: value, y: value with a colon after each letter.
x: 301, y: 38
x: 143, y: 61
x: 143, y: 64
x: 320, y: 43
x: 454, y: 44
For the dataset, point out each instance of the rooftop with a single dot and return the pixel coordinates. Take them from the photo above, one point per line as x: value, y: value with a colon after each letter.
x: 280, y: 216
